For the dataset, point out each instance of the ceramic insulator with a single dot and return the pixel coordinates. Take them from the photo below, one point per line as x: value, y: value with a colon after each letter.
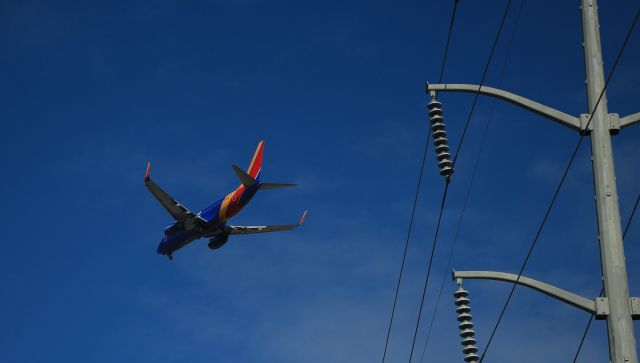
x: 466, y: 326
x: 440, y: 141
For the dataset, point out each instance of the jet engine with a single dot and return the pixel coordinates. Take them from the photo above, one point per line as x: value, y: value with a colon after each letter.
x: 218, y: 241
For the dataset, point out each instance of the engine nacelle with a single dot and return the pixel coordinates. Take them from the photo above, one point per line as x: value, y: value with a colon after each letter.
x: 217, y: 241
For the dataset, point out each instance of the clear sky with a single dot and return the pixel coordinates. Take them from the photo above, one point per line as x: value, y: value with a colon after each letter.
x: 91, y: 91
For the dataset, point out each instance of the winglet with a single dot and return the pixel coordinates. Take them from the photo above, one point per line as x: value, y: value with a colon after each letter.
x: 304, y: 215
x: 146, y: 175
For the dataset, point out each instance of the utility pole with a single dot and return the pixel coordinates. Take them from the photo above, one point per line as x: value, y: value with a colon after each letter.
x: 622, y: 342
x: 617, y: 307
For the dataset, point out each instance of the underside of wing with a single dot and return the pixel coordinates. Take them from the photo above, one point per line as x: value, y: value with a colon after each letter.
x: 177, y: 210
x: 263, y: 229
x: 258, y: 229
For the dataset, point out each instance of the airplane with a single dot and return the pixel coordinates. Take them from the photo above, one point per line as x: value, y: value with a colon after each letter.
x: 211, y: 222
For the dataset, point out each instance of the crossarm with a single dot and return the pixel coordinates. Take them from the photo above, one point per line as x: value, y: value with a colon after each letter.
x: 629, y: 120
x: 535, y: 107
x: 562, y: 295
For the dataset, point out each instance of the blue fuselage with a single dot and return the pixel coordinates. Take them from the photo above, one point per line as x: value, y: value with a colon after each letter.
x: 211, y: 221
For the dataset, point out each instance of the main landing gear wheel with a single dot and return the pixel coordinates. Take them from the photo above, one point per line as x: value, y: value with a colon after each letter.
x: 170, y: 257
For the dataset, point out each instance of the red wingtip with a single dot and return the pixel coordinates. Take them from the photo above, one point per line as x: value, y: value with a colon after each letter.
x: 304, y: 215
x: 146, y: 175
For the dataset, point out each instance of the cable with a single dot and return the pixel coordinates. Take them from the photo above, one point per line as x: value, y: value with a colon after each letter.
x: 484, y: 75
x: 533, y: 244
x: 473, y: 177
x: 633, y: 212
x: 435, y: 239
x: 406, y: 247
x: 446, y: 47
x: 557, y: 191
x: 586, y: 329
x: 415, y: 200
x: 426, y: 280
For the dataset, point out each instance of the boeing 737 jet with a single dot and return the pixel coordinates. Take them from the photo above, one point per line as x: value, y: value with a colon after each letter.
x: 212, y: 221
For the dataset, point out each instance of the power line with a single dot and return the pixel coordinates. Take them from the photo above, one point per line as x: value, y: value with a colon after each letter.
x: 415, y: 199
x: 584, y: 335
x: 484, y: 75
x: 473, y: 177
x: 406, y: 247
x: 533, y: 244
x: 444, y: 195
x: 446, y: 47
x: 426, y: 280
x: 633, y: 212
x: 557, y: 191
x: 586, y: 329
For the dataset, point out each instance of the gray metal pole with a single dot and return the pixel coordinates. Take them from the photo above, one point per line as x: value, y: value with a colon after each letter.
x: 622, y: 342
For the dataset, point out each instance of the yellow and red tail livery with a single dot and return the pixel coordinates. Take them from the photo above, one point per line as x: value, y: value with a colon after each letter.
x: 256, y: 162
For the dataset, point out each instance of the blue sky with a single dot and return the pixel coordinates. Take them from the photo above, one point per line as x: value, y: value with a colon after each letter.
x: 91, y: 91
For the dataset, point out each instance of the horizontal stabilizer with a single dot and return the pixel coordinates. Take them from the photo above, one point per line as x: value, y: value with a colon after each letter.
x: 246, y: 179
x: 276, y: 185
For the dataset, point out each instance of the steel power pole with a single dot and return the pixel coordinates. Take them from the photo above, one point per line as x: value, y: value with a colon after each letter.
x: 622, y: 342
x: 616, y: 306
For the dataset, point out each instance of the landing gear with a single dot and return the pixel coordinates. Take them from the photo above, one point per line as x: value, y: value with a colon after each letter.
x: 170, y: 257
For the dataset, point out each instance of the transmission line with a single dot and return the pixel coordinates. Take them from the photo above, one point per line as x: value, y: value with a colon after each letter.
x: 415, y: 199
x: 473, y: 177
x: 484, y: 75
x: 446, y: 47
x: 444, y: 195
x: 426, y: 280
x: 557, y: 191
x: 633, y: 212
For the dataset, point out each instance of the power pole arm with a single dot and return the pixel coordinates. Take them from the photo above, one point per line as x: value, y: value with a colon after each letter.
x: 630, y: 120
x: 572, y: 299
x: 529, y: 105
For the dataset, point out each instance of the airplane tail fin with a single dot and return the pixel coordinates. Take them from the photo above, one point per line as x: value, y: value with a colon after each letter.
x: 256, y: 162
x: 252, y: 175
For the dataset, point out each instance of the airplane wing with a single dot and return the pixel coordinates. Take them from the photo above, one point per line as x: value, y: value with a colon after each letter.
x: 177, y: 210
x: 263, y: 229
